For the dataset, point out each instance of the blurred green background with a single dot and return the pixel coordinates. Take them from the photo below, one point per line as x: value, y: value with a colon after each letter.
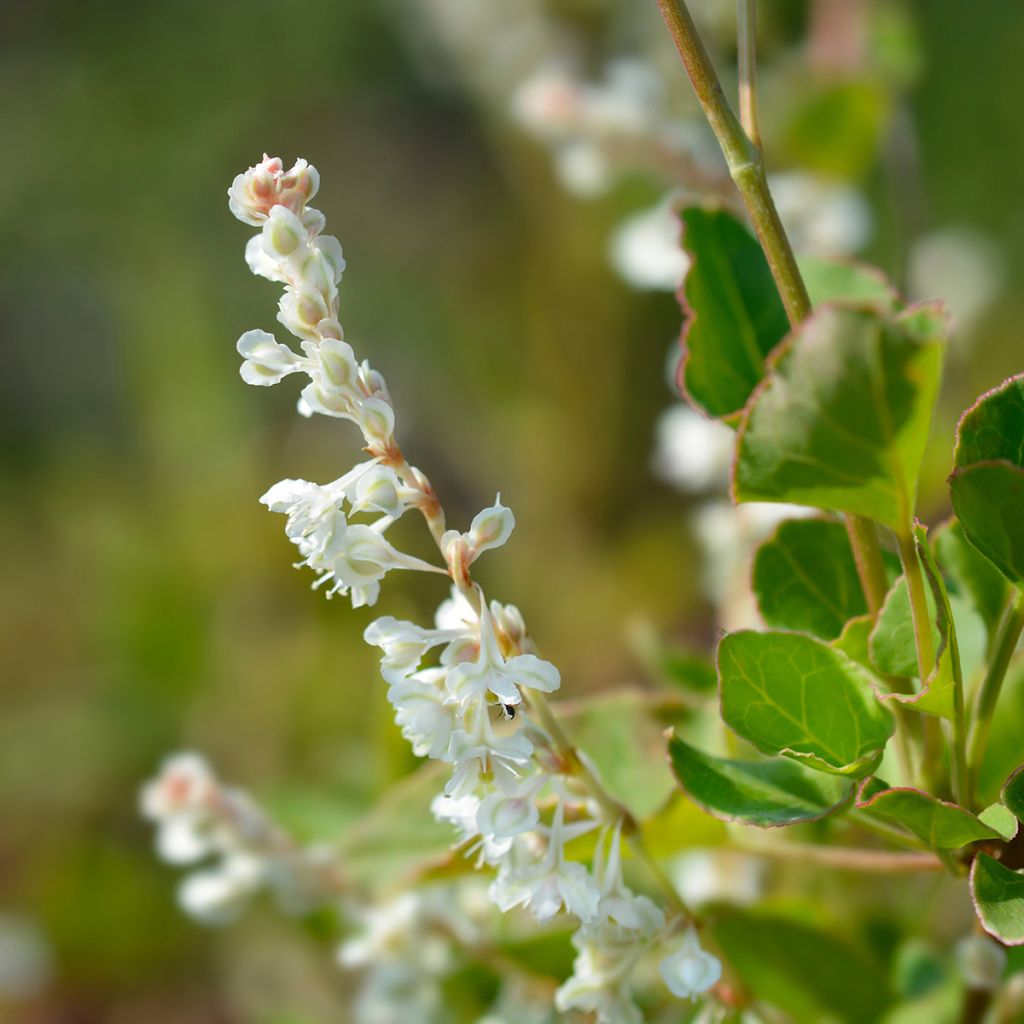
x: 147, y: 601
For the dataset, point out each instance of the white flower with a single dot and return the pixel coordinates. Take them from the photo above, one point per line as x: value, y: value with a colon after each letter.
x: 423, y: 714
x: 691, y: 969
x: 491, y: 675
x: 462, y: 812
x: 547, y: 884
x: 254, y: 194
x: 404, y: 644
x: 646, y: 252
x: 478, y: 754
x: 354, y: 558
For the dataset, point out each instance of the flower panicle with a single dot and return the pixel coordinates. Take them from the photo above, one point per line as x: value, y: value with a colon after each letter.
x: 464, y: 689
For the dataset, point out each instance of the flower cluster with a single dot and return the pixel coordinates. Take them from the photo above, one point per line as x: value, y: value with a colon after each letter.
x: 469, y: 691
x: 200, y: 820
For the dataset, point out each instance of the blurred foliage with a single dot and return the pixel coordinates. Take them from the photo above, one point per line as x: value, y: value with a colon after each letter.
x: 147, y: 601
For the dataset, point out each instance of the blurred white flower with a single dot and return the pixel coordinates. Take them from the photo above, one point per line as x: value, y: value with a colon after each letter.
x: 691, y: 970
x: 645, y: 249
x: 717, y: 876
x: 961, y: 266
x: 820, y: 216
x: 691, y: 451
x: 582, y: 168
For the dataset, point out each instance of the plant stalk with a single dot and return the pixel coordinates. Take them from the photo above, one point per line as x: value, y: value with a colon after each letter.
x: 931, y: 761
x: 847, y: 858
x: 746, y: 37
x: 742, y: 155
x: 867, y: 553
x: 740, y: 145
x: 1003, y: 647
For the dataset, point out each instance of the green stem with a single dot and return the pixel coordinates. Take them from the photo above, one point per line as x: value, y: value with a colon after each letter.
x: 743, y: 157
x: 745, y: 160
x: 867, y: 553
x: 891, y: 832
x: 746, y: 49
x: 931, y: 762
x: 1004, y: 645
x: 844, y: 857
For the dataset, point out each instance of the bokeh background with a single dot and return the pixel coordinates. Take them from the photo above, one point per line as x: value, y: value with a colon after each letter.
x: 146, y: 599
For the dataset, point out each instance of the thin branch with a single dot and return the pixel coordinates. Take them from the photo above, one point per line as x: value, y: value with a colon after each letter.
x: 746, y: 39
x: 845, y: 857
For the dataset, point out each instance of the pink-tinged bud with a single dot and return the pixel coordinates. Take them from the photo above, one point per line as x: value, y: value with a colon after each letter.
x: 256, y: 192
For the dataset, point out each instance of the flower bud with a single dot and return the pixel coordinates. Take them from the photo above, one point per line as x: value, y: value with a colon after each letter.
x: 301, y: 311
x: 338, y: 367
x: 282, y: 233
x: 379, y: 490
x: 261, y: 188
x: 377, y: 421
x: 266, y: 360
x: 490, y: 528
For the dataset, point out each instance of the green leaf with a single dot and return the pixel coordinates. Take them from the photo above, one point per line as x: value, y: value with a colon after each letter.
x: 833, y: 280
x: 998, y: 895
x: 999, y: 817
x: 808, y: 973
x: 842, y: 419
x: 762, y: 793
x: 1013, y: 793
x: 943, y: 826
x: 792, y: 694
x: 892, y: 645
x: 805, y: 578
x: 734, y: 314
x: 854, y: 640
x: 973, y: 574
x: 987, y: 483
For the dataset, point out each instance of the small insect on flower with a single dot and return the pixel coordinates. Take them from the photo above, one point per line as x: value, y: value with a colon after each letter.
x: 505, y: 713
